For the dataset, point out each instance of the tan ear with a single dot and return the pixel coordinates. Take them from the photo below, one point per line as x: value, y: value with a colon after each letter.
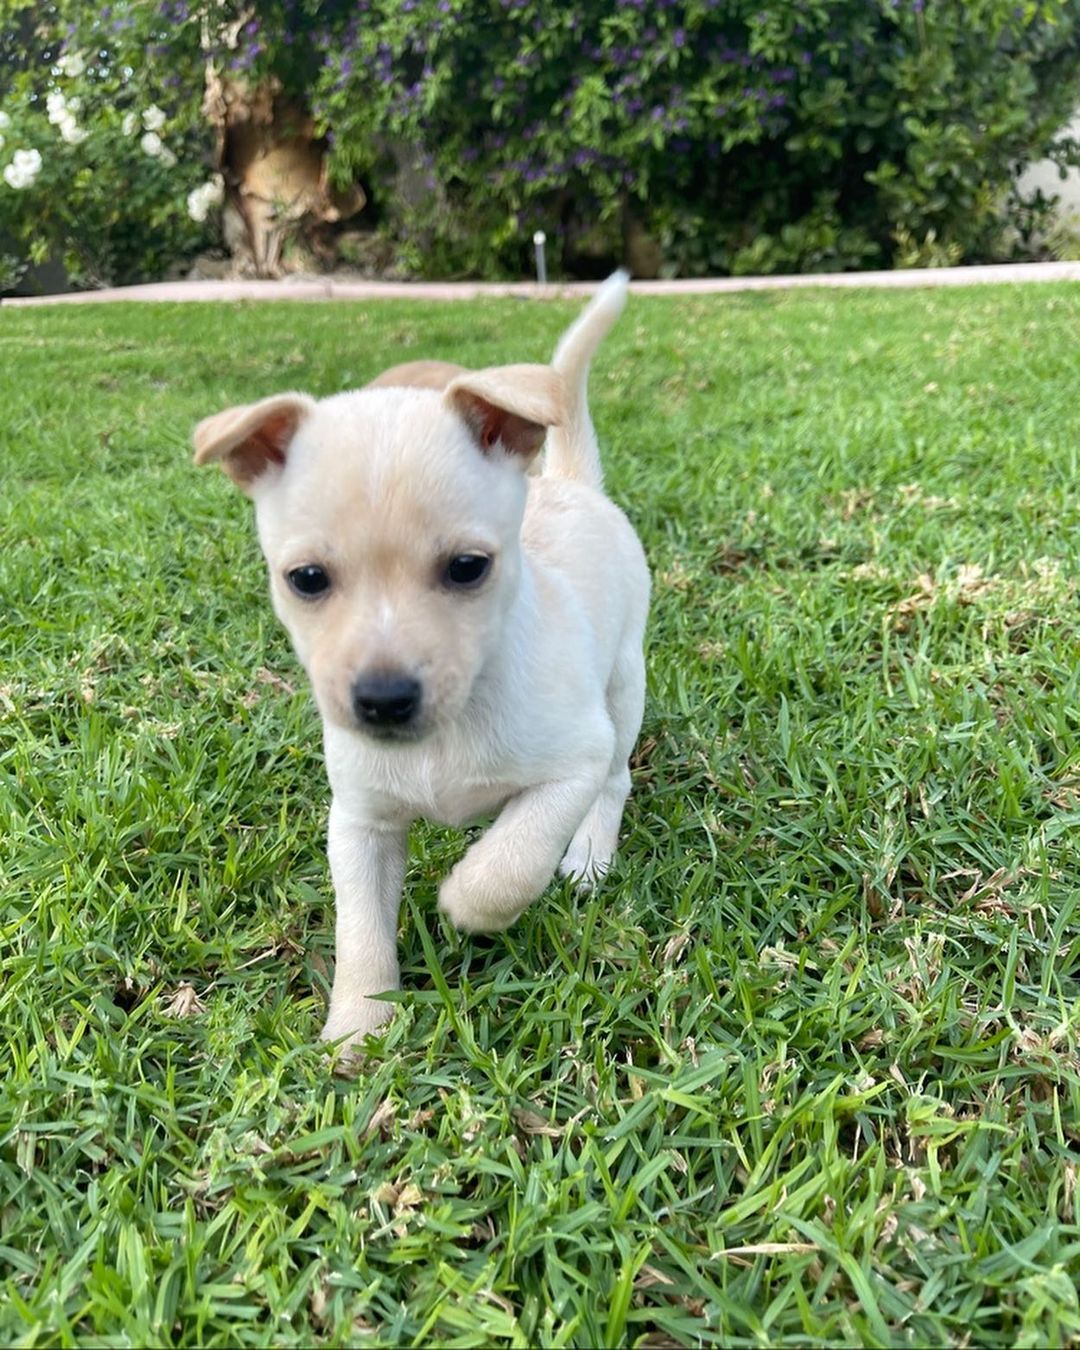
x: 251, y: 438
x: 511, y: 406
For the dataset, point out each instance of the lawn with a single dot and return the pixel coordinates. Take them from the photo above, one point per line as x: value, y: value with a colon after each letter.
x: 804, y: 1071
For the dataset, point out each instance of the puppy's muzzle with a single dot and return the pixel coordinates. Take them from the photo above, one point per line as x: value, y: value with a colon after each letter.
x: 386, y: 702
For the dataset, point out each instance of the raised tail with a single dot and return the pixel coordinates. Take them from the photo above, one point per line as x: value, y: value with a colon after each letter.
x: 572, y: 451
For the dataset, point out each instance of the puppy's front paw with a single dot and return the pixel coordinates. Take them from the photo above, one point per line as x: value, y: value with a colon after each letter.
x: 468, y: 900
x: 355, y: 1019
x: 583, y: 868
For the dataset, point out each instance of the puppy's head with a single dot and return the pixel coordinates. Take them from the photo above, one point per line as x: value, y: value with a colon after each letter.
x: 390, y: 521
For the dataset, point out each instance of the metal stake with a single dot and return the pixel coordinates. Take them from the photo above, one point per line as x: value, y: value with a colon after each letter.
x: 540, y: 239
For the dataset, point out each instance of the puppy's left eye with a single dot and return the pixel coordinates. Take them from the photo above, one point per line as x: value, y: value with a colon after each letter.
x: 466, y: 570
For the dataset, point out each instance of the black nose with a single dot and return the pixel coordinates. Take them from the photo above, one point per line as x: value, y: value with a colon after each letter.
x: 385, y: 700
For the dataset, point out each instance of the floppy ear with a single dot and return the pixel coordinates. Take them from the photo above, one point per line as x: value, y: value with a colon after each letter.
x: 252, y: 438
x: 510, y: 406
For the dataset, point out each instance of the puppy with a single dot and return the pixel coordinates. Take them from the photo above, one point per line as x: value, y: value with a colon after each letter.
x: 472, y: 631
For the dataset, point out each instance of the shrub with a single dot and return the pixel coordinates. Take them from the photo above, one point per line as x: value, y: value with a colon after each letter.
x: 746, y: 137
x: 101, y: 142
x: 737, y: 137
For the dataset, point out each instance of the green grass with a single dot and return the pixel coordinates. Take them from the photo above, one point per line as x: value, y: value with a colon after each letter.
x: 805, y: 1071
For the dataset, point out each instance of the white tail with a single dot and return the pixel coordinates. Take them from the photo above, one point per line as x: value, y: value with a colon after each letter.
x: 572, y: 451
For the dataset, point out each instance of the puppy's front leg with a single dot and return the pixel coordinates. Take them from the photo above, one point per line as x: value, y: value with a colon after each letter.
x: 367, y: 863
x: 512, y: 862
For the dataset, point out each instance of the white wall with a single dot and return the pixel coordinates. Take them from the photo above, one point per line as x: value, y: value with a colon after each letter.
x: 1044, y: 175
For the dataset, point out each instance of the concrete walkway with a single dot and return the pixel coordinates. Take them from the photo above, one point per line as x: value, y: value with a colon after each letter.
x: 342, y: 288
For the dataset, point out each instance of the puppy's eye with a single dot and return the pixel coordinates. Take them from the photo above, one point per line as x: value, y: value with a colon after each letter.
x: 310, y: 581
x: 467, y: 569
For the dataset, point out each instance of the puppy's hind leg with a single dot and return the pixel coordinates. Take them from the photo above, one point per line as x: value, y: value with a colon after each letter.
x: 593, y: 845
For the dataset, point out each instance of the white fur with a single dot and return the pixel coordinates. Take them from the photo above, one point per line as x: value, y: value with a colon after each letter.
x: 533, y: 685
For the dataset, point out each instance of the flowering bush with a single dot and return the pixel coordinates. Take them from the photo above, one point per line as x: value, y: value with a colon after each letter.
x: 727, y: 135
x: 745, y: 137
x: 99, y: 150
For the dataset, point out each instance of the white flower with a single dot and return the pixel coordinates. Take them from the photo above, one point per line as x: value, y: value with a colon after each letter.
x: 24, y: 168
x: 202, y: 198
x: 71, y: 132
x: 5, y: 120
x: 56, y: 106
x: 72, y: 64
x: 152, y: 144
x: 153, y: 119
x: 168, y: 158
x: 129, y: 123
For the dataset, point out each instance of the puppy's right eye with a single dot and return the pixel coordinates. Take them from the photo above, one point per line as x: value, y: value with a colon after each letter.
x: 309, y: 582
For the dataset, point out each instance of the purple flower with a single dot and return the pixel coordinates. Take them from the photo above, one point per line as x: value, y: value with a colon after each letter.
x: 679, y: 37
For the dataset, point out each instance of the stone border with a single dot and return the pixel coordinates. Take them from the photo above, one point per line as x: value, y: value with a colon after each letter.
x: 331, y: 288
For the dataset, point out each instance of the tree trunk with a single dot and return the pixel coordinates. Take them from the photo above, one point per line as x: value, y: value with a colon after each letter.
x: 274, y: 169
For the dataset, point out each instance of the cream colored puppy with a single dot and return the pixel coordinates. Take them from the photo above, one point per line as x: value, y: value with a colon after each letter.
x: 473, y: 632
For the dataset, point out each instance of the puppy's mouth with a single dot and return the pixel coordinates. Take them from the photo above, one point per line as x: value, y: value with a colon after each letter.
x: 391, y: 735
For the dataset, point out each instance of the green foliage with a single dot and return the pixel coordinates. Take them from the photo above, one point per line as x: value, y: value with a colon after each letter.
x: 739, y: 137
x: 747, y: 138
x: 114, y: 126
